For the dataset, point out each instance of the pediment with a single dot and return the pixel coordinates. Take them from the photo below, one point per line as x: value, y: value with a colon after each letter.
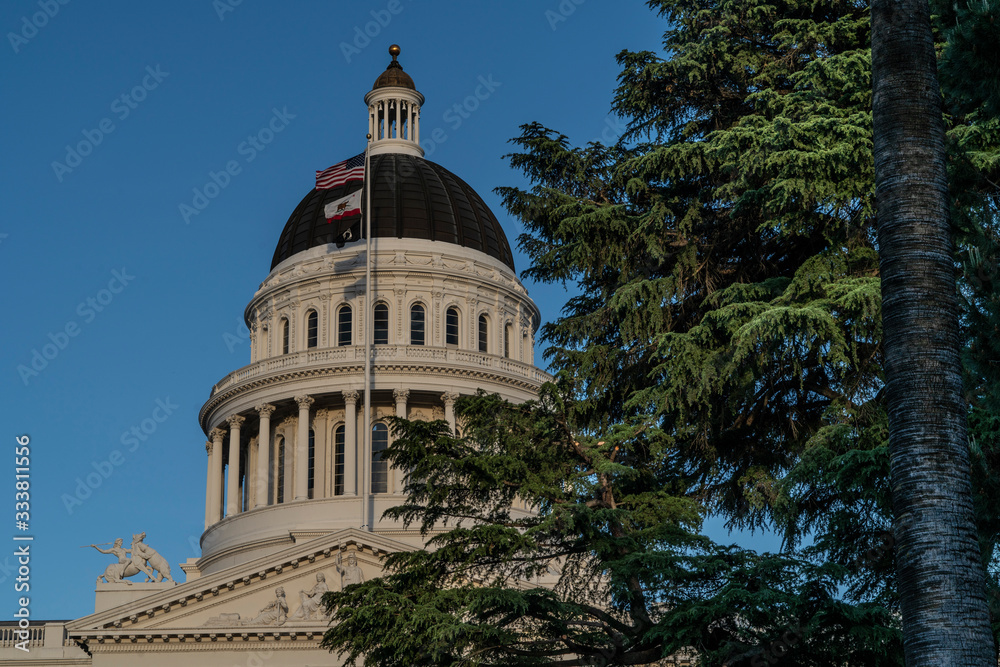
x: 242, y: 599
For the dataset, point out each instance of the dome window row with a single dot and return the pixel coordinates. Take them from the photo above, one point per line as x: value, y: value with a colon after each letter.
x: 418, y: 329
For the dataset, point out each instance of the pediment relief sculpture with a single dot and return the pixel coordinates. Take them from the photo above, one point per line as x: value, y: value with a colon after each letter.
x: 273, y: 614
x: 310, y: 607
x: 276, y: 612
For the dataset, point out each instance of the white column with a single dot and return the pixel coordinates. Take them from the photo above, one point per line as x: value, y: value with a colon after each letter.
x: 350, y: 443
x: 247, y: 484
x: 385, y: 118
x: 399, y: 116
x: 233, y: 485
x: 215, y: 463
x: 320, y: 476
x: 400, y: 395
x: 449, y: 398
x: 302, y: 449
x: 265, y: 410
x: 208, y: 485
x: 416, y: 125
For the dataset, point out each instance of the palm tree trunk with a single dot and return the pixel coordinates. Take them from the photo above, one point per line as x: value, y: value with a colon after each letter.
x: 941, y: 582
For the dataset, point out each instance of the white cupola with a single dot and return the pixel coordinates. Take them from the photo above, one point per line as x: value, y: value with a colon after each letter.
x: 394, y: 111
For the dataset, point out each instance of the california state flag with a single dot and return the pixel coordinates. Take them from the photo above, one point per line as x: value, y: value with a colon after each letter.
x: 343, y: 208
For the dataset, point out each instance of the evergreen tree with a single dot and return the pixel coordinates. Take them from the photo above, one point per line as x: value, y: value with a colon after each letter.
x: 723, y: 356
x: 606, y: 569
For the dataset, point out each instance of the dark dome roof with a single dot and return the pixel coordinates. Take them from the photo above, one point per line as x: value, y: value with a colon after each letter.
x: 394, y: 76
x: 412, y: 198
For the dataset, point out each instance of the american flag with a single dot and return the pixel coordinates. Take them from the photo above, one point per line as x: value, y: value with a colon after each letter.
x: 351, y: 169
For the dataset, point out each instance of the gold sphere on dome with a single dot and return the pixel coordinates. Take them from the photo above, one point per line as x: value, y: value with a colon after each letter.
x: 394, y: 51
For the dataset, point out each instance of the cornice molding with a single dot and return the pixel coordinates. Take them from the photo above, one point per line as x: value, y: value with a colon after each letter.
x: 386, y: 370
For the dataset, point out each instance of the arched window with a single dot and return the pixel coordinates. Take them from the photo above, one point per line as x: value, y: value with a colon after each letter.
x: 279, y: 471
x: 338, y: 460
x: 506, y: 340
x: 381, y: 333
x: 344, y: 321
x: 417, y: 324
x: 451, y: 327
x: 380, y: 468
x: 284, y: 336
x: 312, y: 329
x: 312, y: 465
x: 484, y: 328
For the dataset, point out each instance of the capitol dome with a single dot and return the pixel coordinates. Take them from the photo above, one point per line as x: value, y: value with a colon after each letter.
x: 295, y: 436
x: 411, y: 198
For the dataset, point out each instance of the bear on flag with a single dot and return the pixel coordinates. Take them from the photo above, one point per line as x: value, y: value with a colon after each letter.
x: 343, y: 207
x: 340, y: 209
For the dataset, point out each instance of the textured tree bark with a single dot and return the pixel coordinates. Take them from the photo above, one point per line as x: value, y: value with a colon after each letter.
x: 941, y: 582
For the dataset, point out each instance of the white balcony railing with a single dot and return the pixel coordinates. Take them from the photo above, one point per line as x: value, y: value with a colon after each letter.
x: 384, y: 354
x: 11, y: 635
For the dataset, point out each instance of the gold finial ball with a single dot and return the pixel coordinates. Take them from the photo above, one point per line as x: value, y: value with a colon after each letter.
x: 394, y: 51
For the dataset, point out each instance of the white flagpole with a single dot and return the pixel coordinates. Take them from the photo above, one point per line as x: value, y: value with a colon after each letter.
x: 369, y: 305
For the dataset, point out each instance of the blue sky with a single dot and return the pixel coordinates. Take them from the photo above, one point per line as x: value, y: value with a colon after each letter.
x: 119, y: 312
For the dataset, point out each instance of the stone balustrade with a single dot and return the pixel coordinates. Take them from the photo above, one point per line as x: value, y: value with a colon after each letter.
x: 384, y: 354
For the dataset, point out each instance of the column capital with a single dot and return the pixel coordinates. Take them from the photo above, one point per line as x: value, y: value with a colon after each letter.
x: 400, y: 394
x: 449, y: 397
x: 304, y: 401
x: 322, y: 413
x: 208, y: 447
x: 265, y: 409
x: 235, y: 421
x: 351, y: 396
x: 217, y: 434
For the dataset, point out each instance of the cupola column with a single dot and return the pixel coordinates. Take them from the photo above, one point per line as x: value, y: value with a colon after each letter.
x: 233, y: 485
x: 301, y: 464
x: 350, y: 443
x: 265, y: 411
x: 449, y: 398
x: 214, y: 500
